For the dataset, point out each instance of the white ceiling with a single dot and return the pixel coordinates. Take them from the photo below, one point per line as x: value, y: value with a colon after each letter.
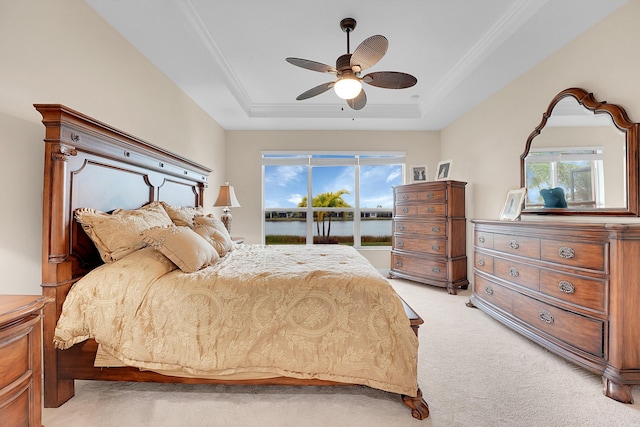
x: 229, y: 56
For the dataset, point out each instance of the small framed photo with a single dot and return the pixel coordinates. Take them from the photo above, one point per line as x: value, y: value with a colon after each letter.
x: 443, y: 171
x: 419, y: 173
x: 513, y: 205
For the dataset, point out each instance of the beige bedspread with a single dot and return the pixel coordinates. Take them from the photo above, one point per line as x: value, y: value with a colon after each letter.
x: 297, y: 311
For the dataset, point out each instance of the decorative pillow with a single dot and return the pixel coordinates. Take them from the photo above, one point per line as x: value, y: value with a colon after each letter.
x: 214, y: 237
x: 212, y: 223
x: 183, y: 246
x: 182, y: 215
x: 117, y: 234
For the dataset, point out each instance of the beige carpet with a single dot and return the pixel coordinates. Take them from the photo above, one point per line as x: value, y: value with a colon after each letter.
x: 472, y: 370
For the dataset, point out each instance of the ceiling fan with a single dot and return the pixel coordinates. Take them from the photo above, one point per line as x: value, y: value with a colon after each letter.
x: 348, y: 67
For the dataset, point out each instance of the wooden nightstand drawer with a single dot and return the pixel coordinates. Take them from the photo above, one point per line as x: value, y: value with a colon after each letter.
x: 21, y: 359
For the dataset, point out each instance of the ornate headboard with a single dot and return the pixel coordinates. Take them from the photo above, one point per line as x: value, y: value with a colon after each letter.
x: 90, y: 164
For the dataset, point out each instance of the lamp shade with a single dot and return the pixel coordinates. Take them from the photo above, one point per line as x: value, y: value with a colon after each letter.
x: 227, y: 197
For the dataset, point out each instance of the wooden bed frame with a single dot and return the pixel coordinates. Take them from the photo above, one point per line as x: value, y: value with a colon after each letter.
x: 90, y: 164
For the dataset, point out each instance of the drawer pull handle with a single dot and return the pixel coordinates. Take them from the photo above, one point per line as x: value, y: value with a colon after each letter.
x: 481, y: 262
x: 481, y: 239
x: 430, y: 196
x: 435, y: 270
x: 435, y: 247
x: 566, y: 252
x: 431, y: 209
x: 488, y: 290
x: 566, y: 287
x: 513, y: 272
x: 400, y: 244
x: 400, y: 227
x: 405, y: 210
x: 513, y: 244
x: 435, y: 229
x: 405, y: 197
x: 398, y: 263
x: 545, y: 316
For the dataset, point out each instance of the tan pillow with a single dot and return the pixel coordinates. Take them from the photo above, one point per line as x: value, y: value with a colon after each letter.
x: 182, y: 215
x: 215, y: 224
x: 214, y: 237
x: 117, y: 234
x: 183, y: 246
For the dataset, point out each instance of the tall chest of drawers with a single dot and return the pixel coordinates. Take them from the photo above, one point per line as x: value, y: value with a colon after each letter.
x: 566, y: 287
x: 429, y: 234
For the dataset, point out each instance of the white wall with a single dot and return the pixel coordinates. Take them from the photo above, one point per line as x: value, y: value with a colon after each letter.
x: 62, y: 52
x: 486, y: 143
x: 244, y: 170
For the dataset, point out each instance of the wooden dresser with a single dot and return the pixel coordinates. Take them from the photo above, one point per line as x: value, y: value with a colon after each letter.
x: 572, y: 288
x: 21, y: 359
x: 429, y: 234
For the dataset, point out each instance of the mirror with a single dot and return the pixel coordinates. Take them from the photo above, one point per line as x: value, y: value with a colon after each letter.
x: 582, y: 159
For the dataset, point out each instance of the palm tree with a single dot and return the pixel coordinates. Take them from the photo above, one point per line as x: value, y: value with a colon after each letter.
x: 326, y: 200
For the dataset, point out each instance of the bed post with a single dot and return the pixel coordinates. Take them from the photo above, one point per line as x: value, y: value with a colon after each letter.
x: 56, y: 265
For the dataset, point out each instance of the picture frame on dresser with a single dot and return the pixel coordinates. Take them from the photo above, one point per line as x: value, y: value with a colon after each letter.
x: 419, y: 173
x: 513, y: 204
x: 443, y: 171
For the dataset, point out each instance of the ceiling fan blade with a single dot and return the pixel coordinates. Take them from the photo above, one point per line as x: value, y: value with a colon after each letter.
x: 312, y: 65
x: 358, y: 102
x: 315, y: 91
x: 369, y: 52
x: 390, y: 79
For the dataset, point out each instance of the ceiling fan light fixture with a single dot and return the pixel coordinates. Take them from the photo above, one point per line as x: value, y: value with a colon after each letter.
x: 348, y: 87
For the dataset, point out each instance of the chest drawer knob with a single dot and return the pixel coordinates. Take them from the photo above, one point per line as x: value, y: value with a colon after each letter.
x: 566, y: 252
x: 481, y: 239
x: 435, y: 229
x: 431, y: 209
x: 435, y: 270
x: 513, y: 272
x: 400, y: 244
x: 488, y: 290
x: 430, y: 196
x: 566, y: 287
x: 405, y: 197
x: 514, y: 244
x: 398, y: 263
x: 435, y: 247
x: 400, y: 227
x: 481, y: 262
x: 545, y: 316
x: 405, y: 210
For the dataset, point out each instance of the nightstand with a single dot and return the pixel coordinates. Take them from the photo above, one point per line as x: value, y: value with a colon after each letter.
x: 21, y: 359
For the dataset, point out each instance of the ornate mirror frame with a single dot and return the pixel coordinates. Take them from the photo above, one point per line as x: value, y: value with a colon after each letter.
x: 623, y: 123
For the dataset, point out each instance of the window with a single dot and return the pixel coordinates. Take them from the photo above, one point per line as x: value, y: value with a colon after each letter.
x: 578, y: 172
x: 351, y: 197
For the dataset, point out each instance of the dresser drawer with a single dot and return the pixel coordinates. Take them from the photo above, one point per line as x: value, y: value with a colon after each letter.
x: 419, y: 266
x: 420, y: 244
x: 431, y: 209
x: 578, y: 331
x: 427, y: 228
x: 523, y: 246
x: 492, y: 293
x: 577, y: 290
x: 585, y: 255
x: 436, y: 195
x: 14, y: 357
x: 483, y: 240
x: 483, y: 262
x: 518, y: 273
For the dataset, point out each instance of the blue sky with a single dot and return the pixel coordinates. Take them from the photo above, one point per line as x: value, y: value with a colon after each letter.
x: 285, y: 186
